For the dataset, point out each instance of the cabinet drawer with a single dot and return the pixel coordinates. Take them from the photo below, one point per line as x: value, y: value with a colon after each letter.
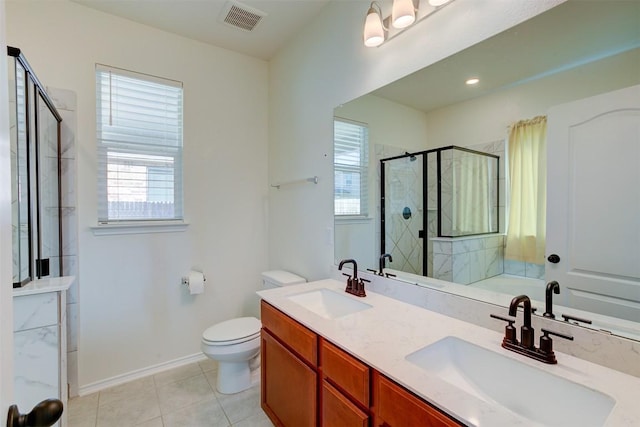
x: 345, y: 371
x: 295, y: 336
x: 396, y: 407
x: 338, y: 411
x: 35, y: 311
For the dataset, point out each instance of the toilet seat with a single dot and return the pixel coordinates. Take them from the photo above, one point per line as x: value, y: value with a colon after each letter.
x: 234, y: 331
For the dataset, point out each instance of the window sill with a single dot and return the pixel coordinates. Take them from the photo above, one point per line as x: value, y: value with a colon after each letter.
x: 139, y: 228
x: 352, y: 219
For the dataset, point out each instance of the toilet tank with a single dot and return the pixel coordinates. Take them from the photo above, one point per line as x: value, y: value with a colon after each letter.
x: 277, y: 278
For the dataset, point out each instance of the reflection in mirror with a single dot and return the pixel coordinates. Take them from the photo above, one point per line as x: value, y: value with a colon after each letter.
x: 525, y: 72
x: 459, y: 187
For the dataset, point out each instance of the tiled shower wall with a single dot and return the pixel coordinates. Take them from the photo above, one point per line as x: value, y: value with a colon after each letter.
x: 467, y: 260
x: 65, y: 102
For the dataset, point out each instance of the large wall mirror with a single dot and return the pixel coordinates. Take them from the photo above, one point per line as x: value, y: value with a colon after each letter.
x: 575, y: 51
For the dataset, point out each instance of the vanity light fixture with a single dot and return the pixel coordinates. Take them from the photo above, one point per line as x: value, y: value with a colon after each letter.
x: 373, y: 28
x: 437, y: 3
x: 404, y: 13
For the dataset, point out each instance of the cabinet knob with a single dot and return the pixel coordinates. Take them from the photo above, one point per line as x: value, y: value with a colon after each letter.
x: 44, y: 414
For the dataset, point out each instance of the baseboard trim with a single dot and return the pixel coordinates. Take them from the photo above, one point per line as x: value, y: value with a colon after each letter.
x: 139, y: 373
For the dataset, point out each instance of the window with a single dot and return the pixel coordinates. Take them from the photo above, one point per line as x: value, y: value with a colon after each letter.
x: 139, y: 133
x: 350, y: 162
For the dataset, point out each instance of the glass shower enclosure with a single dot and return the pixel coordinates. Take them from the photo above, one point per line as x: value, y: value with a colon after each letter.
x: 35, y: 175
x: 444, y: 192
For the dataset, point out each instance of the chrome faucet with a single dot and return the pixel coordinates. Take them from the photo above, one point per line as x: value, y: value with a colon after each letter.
x: 552, y: 288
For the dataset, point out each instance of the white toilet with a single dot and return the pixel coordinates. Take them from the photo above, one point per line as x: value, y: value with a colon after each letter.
x: 234, y: 343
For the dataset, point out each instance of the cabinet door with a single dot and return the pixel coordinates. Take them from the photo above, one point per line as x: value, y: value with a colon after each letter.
x: 396, y: 407
x: 338, y: 411
x: 289, y: 393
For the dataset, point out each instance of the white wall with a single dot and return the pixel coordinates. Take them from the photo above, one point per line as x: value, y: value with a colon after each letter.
x: 133, y: 312
x: 327, y: 65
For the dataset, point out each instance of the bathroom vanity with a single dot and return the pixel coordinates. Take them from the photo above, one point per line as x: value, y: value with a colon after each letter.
x: 40, y: 342
x: 329, y: 358
x: 332, y: 387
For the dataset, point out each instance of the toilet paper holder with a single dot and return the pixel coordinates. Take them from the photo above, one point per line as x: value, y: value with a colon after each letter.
x: 185, y: 279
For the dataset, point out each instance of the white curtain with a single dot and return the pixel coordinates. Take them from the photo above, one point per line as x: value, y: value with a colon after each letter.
x: 526, y: 231
x: 472, y: 190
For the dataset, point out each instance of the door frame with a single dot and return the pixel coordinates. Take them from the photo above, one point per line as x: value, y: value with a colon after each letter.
x: 6, y: 263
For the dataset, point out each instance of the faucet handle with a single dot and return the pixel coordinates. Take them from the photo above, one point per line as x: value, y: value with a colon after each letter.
x: 359, y: 288
x: 547, y: 332
x: 509, y: 330
x: 567, y: 317
x: 546, y: 344
x: 372, y: 270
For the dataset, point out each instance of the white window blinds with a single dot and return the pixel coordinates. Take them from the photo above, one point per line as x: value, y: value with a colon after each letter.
x: 351, y: 161
x: 139, y: 134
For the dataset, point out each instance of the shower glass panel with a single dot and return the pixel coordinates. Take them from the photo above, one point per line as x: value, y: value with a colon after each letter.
x: 403, y: 213
x: 48, y: 188
x: 20, y: 194
x: 469, y: 193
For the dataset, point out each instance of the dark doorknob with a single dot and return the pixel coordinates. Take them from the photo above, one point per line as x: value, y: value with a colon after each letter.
x: 44, y: 414
x: 553, y: 258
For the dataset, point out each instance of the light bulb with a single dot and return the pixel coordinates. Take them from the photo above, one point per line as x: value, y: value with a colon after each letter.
x: 373, y: 30
x: 403, y: 13
x: 437, y: 3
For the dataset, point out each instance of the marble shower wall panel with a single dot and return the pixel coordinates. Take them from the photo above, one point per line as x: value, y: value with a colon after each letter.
x: 65, y: 102
x: 468, y: 260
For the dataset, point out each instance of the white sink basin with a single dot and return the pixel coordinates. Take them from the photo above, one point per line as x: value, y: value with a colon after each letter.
x: 329, y: 304
x: 527, y: 391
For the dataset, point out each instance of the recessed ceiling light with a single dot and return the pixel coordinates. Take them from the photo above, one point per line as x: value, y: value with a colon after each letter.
x: 472, y: 81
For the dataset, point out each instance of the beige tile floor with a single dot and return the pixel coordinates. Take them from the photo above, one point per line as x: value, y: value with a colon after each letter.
x: 181, y: 397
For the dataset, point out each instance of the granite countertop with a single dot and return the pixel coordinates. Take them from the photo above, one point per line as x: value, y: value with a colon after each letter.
x: 41, y: 286
x: 383, y: 335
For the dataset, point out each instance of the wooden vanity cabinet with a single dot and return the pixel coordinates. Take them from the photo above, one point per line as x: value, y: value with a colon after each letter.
x: 344, y: 398
x: 394, y: 406
x: 289, y: 370
x: 308, y: 381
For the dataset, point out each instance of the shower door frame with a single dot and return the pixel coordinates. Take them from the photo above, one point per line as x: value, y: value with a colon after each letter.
x: 425, y: 182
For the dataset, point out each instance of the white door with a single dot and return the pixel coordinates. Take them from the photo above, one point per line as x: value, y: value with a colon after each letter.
x: 593, y: 202
x: 6, y: 297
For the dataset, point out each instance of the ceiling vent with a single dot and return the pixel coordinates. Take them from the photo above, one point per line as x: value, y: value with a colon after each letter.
x: 241, y: 16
